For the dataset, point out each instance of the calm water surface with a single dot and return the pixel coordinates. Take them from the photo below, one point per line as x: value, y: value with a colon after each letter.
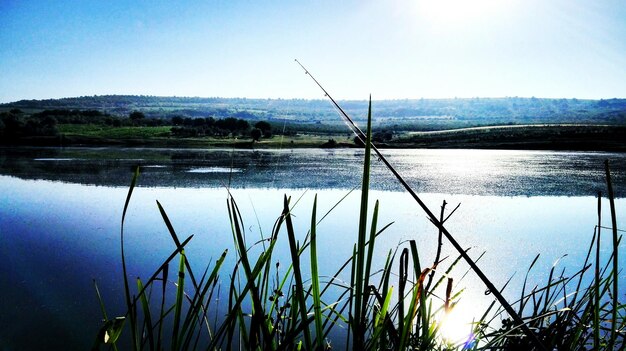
x: 60, y: 211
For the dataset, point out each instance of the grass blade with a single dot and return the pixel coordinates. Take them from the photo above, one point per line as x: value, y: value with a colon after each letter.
x: 130, y: 307
x: 165, y: 269
x: 100, y: 301
x: 295, y: 260
x: 146, y: 314
x: 596, y: 309
x: 613, y: 334
x: 360, y: 279
x: 170, y: 228
x: 179, y: 300
x: 319, y: 331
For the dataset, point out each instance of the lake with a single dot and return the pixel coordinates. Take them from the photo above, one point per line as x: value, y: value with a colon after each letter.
x: 60, y: 212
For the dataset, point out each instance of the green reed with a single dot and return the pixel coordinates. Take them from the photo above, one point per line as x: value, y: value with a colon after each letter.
x: 395, y: 306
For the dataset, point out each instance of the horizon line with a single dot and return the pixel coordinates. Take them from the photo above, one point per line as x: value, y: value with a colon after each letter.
x: 310, y: 99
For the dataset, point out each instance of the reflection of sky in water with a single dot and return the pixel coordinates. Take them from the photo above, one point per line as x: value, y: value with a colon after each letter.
x: 55, y: 159
x: 214, y: 170
x: 498, y: 172
x: 57, y: 236
x: 471, y: 172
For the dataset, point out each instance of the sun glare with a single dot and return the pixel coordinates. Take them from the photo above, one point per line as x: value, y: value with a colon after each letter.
x: 455, y: 327
x: 458, y: 12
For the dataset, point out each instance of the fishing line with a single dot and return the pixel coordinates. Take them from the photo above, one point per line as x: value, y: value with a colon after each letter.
x: 490, y: 286
x: 280, y: 148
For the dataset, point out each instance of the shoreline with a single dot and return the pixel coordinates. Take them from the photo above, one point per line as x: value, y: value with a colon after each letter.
x: 514, y: 137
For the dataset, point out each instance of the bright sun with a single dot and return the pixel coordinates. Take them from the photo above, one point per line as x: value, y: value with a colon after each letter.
x: 456, y: 326
x: 458, y: 12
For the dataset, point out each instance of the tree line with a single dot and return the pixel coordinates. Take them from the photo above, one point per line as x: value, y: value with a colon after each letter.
x: 209, y: 126
x: 15, y: 124
x: 464, y: 110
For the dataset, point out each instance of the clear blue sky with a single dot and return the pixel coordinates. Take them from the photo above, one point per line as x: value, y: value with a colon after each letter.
x: 391, y: 49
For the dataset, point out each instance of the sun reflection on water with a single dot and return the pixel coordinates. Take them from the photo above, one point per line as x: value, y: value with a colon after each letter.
x: 456, y: 326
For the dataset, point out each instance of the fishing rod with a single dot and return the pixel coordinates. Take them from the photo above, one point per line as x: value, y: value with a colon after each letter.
x: 490, y: 286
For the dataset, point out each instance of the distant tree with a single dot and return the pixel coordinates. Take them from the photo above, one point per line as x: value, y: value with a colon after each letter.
x: 262, y: 125
x: 331, y: 143
x: 155, y: 122
x: 177, y: 120
x: 358, y: 141
x: 91, y: 113
x: 13, y: 124
x: 256, y: 134
x: 199, y: 122
x: 184, y: 131
x: 49, y: 122
x: 136, y: 116
x: 383, y: 136
x: 233, y: 125
x: 244, y: 114
x: 32, y: 127
x: 242, y: 126
x: 210, y: 121
x: 265, y: 127
x: 225, y: 123
x: 113, y: 121
x: 602, y: 103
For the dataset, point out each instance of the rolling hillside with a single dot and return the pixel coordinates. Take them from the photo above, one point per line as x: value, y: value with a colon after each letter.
x: 410, y: 115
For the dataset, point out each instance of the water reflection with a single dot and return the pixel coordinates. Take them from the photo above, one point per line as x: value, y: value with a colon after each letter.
x: 466, y: 172
x: 56, y: 237
x: 60, y: 212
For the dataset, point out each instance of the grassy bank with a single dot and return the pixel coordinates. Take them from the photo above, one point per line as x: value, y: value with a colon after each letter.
x: 97, y: 135
x: 399, y: 304
x: 523, y: 137
x: 527, y: 137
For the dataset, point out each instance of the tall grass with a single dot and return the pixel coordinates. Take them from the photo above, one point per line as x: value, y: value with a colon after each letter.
x: 442, y: 229
x: 399, y: 305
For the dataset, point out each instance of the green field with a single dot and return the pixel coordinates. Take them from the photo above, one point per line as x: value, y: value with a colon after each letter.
x: 542, y: 137
x: 109, y: 132
x: 161, y: 136
x: 565, y: 136
x: 546, y: 137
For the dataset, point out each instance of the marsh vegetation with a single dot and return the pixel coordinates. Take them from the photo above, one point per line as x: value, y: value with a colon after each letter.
x: 399, y: 303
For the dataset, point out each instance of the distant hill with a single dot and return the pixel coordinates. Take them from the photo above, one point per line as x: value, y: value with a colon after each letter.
x: 418, y: 114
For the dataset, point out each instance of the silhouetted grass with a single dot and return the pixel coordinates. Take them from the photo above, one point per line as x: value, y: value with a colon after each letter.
x: 401, y: 305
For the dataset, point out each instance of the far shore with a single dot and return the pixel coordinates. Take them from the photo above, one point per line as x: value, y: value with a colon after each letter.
x: 570, y: 137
